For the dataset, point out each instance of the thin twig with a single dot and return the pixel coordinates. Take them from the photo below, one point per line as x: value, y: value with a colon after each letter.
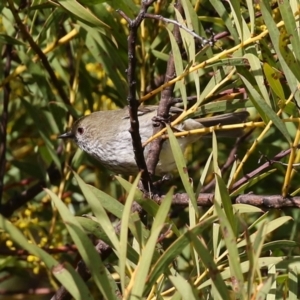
x: 203, y: 41
x: 4, y: 119
x: 260, y: 169
x: 262, y: 201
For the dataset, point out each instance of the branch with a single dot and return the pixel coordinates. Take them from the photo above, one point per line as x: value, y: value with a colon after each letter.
x: 24, y: 253
x: 260, y: 169
x: 164, y: 105
x: 4, y: 118
x: 262, y: 201
x: 19, y: 200
x: 202, y: 40
x: 133, y: 103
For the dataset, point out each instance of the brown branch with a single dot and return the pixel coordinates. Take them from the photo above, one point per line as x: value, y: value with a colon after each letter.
x: 164, y: 104
x: 260, y: 169
x: 57, y: 250
x: 4, y: 118
x: 262, y: 201
x: 133, y: 103
x: 14, y: 294
x: 19, y: 200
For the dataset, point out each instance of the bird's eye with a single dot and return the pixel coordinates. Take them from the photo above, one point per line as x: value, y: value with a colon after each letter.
x: 80, y: 130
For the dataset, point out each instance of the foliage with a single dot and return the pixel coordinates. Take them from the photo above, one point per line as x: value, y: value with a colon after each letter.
x: 63, y: 59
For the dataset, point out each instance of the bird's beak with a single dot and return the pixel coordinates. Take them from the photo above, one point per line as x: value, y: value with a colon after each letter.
x: 67, y: 135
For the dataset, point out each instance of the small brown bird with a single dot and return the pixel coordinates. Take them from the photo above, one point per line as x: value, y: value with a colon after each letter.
x: 105, y: 136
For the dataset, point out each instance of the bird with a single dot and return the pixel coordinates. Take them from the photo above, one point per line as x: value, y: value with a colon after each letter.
x: 105, y: 136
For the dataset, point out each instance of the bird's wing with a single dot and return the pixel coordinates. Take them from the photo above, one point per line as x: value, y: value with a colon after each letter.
x: 224, y: 119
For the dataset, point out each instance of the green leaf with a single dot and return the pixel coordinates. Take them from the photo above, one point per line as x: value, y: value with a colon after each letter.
x: 183, y: 287
x: 91, y: 226
x: 293, y: 282
x: 254, y: 252
x: 107, y: 54
x: 215, y: 156
x: 246, y: 209
x: 217, y: 78
x: 288, y: 16
x: 83, y: 14
x: 288, y: 55
x: 271, y: 246
x: 263, y: 262
x: 255, y: 65
x: 6, y: 39
x: 187, y: 39
x: 275, y: 38
x: 225, y: 17
x: 270, y: 227
x: 124, y: 232
x: 273, y: 78
x: 160, y: 55
x: 99, y: 212
x: 86, y: 249
x: 241, y: 25
x: 251, y: 182
x: 143, y: 267
x: 204, y: 174
x: 182, y: 168
x: 222, y: 196
x: 265, y: 111
x: 162, y: 264
x: 267, y: 289
x: 178, y: 67
x: 108, y: 202
x: 233, y: 254
x: 251, y: 11
x: 221, y: 106
x: 208, y: 261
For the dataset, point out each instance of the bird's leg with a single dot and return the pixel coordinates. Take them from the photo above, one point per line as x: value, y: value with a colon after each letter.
x: 157, y: 120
